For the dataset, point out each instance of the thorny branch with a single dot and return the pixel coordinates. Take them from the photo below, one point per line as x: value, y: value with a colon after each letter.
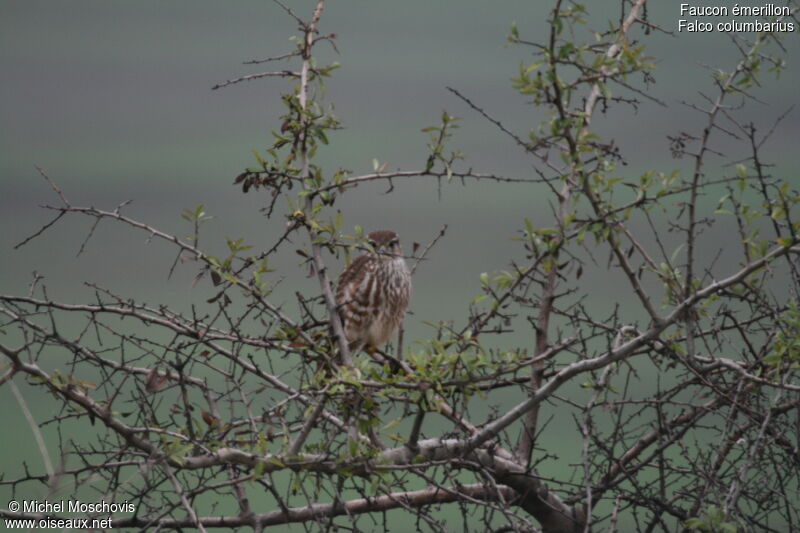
x: 686, y: 415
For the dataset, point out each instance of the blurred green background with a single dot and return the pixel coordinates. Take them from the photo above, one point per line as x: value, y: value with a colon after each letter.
x: 113, y: 100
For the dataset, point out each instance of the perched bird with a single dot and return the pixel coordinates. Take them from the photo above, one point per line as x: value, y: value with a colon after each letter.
x: 373, y: 293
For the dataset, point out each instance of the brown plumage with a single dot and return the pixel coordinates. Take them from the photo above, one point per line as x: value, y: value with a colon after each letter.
x: 373, y: 293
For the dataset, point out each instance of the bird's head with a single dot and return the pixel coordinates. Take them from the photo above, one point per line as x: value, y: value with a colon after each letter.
x: 385, y: 242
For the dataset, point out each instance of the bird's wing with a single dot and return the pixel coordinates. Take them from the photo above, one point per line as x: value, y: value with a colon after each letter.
x: 350, y: 279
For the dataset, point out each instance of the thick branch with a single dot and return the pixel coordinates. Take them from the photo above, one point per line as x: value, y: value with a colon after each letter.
x: 316, y: 511
x: 491, y: 430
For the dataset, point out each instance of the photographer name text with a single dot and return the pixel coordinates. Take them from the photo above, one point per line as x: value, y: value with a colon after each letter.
x: 76, y: 506
x: 31, y: 511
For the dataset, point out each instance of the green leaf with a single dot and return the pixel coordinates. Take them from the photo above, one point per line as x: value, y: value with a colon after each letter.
x: 528, y: 225
x: 478, y: 298
x: 277, y: 462
x: 392, y: 424
x: 675, y: 253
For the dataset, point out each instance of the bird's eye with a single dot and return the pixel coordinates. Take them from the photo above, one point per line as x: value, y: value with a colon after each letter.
x: 394, y: 243
x: 371, y: 243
